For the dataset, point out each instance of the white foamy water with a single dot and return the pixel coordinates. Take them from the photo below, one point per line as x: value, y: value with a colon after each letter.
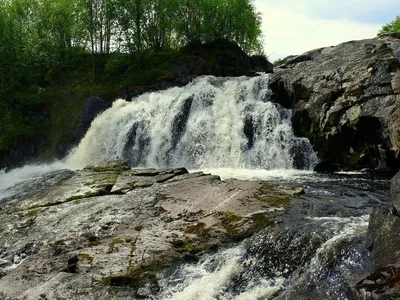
x: 209, y: 279
x: 28, y: 172
x: 210, y: 123
x: 344, y: 229
x: 226, y: 126
x: 259, y: 174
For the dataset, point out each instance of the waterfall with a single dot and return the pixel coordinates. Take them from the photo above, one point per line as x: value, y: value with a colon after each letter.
x: 210, y: 123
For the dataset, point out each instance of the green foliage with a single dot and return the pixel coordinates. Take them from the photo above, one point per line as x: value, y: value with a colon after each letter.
x: 55, y: 51
x: 208, y: 20
x: 391, y: 27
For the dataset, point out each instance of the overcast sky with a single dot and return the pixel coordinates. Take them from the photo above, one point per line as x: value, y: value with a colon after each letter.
x: 296, y: 26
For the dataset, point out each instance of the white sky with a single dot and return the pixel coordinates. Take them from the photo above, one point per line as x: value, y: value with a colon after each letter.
x: 295, y: 26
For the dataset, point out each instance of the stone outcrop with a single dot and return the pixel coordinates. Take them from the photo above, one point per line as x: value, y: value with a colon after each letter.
x: 346, y: 100
x: 384, y: 246
x: 109, y: 229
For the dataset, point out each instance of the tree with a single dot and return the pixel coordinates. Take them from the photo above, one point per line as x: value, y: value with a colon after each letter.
x: 158, y: 23
x: 391, y: 27
x: 57, y: 28
x: 209, y: 20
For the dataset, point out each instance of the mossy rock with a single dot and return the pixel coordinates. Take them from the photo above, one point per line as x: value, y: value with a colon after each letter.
x: 274, y: 201
x: 198, y: 229
x: 118, y: 166
x: 271, y: 195
x: 85, y: 257
x: 116, y: 241
x: 34, y: 212
x: 238, y: 228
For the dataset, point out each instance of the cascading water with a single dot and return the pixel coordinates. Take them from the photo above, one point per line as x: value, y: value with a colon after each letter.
x: 229, y: 127
x: 210, y: 123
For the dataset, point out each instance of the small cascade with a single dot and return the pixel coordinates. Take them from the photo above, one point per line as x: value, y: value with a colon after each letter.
x: 210, y: 123
x: 315, y: 260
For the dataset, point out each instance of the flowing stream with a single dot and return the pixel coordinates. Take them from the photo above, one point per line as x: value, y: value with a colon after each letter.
x: 228, y: 127
x: 210, y: 123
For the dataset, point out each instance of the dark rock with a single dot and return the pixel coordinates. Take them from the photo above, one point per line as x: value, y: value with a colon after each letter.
x: 383, y: 283
x: 383, y: 242
x: 346, y: 101
x: 72, y: 265
x: 180, y: 122
x: 17, y: 156
x: 326, y: 167
x: 249, y: 130
x: 260, y: 64
x: 62, y: 150
x: 383, y: 238
x: 91, y: 109
x: 299, y: 151
x: 395, y: 193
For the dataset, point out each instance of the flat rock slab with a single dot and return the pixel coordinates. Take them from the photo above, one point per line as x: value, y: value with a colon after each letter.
x: 111, y: 228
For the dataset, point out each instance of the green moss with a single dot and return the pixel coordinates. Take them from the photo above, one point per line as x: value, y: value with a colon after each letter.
x: 239, y: 228
x: 271, y: 194
x: 275, y: 201
x: 75, y: 198
x: 115, y: 242
x: 198, y: 229
x: 261, y: 221
x: 188, y: 247
x: 34, y: 212
x: 77, y: 202
x: 231, y: 217
x: 31, y: 213
x: 114, y: 289
x: 85, y: 256
x: 116, y: 166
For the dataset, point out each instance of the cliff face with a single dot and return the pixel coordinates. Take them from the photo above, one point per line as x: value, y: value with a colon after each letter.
x: 346, y: 99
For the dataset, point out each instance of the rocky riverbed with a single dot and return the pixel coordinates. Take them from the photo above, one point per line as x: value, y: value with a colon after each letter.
x: 112, y: 232
x: 111, y: 229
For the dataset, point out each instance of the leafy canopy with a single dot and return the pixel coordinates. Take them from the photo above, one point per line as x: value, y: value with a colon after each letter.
x: 391, y: 27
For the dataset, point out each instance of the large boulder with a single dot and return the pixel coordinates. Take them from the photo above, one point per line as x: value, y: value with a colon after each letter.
x: 383, y: 242
x: 346, y: 100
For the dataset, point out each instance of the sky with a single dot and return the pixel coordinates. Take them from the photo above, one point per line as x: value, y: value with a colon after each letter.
x: 292, y: 27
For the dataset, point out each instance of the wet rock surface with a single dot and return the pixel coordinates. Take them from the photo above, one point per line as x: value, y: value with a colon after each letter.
x: 109, y: 230
x: 346, y: 101
x: 384, y: 246
x: 112, y: 232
